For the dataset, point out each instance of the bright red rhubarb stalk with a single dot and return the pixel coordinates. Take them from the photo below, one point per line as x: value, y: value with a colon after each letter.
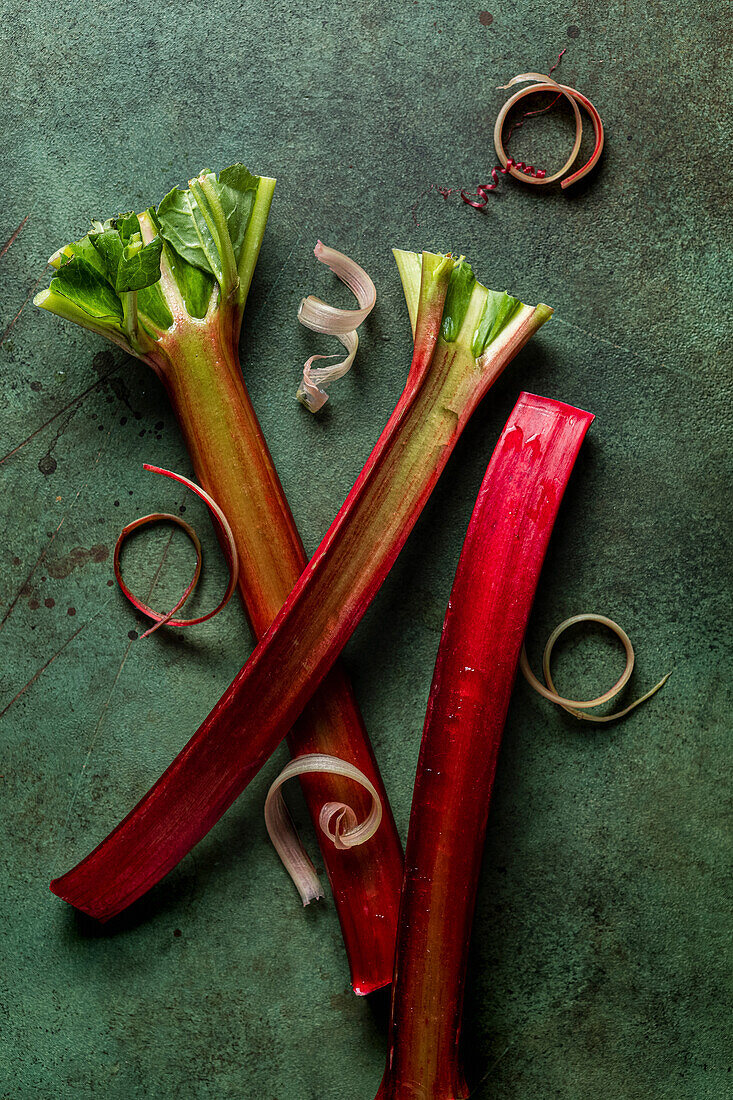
x: 170, y: 286
x: 477, y: 661
x: 459, y: 351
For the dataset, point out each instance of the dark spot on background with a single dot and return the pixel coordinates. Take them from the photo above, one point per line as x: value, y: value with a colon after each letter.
x: 78, y: 557
x: 47, y: 465
x: 485, y: 18
x: 36, y: 386
x: 71, y: 611
x: 573, y: 31
x: 110, y: 583
x: 16, y: 561
x: 159, y: 425
x: 103, y: 362
x: 132, y: 635
x: 177, y: 932
x: 123, y: 420
x: 117, y: 504
x: 34, y: 605
x: 120, y: 389
x: 50, y: 601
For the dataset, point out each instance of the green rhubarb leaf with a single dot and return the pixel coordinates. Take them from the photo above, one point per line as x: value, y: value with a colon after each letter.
x: 183, y: 226
x: 89, y: 290
x: 127, y: 225
x: 457, y: 300
x: 190, y: 223
x: 108, y: 247
x: 499, y: 309
x: 139, y: 265
x: 152, y: 304
x: 210, y: 232
x: 238, y: 190
x: 127, y: 263
x: 86, y: 251
x: 195, y: 285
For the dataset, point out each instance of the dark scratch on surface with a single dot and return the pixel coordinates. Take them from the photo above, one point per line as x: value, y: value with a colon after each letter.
x: 74, y: 401
x: 105, y: 705
x: 14, y: 236
x: 276, y: 279
x: 492, y: 1067
x: 50, y: 661
x: 49, y: 544
x: 47, y: 464
x: 30, y: 294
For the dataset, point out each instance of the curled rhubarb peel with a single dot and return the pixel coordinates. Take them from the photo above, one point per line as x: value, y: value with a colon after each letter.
x: 578, y: 706
x: 227, y: 538
x: 318, y: 316
x: 542, y: 83
x: 337, y: 820
x: 487, y: 615
x: 181, y: 312
x: 458, y: 354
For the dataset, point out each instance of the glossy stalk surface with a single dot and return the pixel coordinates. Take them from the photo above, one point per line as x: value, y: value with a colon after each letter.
x: 487, y: 615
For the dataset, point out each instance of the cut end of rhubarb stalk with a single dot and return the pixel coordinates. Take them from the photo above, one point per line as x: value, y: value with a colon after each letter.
x: 474, y: 317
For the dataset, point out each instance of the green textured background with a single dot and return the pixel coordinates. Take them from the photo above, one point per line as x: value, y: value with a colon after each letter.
x: 600, y: 962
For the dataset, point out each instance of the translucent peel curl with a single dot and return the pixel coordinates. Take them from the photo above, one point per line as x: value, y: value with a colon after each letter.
x: 157, y: 517
x: 336, y: 820
x: 542, y: 83
x: 578, y: 706
x: 318, y: 316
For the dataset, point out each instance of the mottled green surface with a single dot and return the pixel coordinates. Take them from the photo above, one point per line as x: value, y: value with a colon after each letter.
x: 600, y: 965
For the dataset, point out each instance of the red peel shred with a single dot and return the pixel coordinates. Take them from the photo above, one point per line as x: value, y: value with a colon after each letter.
x: 528, y: 173
x: 541, y: 83
x: 156, y: 517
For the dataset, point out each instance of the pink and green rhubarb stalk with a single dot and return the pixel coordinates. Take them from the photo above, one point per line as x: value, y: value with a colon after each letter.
x: 465, y: 335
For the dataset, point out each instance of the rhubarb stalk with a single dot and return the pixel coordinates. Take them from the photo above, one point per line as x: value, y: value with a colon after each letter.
x: 459, y: 352
x: 477, y: 661
x: 181, y: 312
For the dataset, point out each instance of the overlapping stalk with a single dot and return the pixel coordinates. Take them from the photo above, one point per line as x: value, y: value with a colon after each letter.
x: 477, y: 660
x: 187, y: 328
x: 459, y: 352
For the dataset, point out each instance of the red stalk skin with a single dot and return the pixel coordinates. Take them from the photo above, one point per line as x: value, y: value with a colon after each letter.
x: 477, y: 661
x: 309, y: 632
x: 238, y: 471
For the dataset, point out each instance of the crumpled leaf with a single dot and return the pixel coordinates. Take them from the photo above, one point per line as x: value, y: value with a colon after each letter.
x: 83, y: 285
x: 183, y: 222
